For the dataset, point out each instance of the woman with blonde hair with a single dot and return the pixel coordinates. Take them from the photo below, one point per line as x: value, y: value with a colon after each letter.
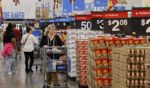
x: 51, y: 39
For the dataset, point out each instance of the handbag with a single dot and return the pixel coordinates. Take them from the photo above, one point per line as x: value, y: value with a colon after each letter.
x: 26, y: 40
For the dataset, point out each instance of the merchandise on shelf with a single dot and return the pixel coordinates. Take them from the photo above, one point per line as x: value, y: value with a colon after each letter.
x: 82, y: 52
x: 72, y: 36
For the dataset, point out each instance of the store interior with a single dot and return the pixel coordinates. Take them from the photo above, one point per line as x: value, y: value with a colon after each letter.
x: 105, y: 43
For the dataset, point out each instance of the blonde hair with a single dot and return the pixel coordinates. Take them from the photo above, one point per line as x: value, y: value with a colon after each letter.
x: 49, y: 27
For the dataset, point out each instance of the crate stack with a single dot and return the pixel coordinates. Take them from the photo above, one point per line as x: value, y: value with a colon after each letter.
x: 129, y: 67
x: 100, y: 64
x: 82, y: 62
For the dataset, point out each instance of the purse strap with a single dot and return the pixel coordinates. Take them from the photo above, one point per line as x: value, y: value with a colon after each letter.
x: 26, y: 39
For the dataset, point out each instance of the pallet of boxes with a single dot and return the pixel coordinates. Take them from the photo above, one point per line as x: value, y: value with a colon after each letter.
x: 129, y: 65
x: 100, y: 64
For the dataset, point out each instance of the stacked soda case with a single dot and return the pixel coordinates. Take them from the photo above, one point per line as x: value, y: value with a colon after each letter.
x: 100, y: 64
x: 100, y: 59
x: 82, y: 52
x: 128, y: 66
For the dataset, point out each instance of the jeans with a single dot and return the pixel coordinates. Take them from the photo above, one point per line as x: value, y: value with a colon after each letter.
x: 10, y: 63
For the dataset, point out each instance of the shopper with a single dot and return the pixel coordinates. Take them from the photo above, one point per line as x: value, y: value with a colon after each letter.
x: 51, y: 39
x: 10, y: 49
x: 28, y: 40
x: 18, y: 38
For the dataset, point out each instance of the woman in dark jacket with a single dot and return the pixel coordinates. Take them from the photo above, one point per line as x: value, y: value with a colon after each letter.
x: 51, y: 39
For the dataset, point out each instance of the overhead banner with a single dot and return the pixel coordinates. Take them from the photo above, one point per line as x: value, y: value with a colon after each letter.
x: 78, y: 5
x: 24, y: 10
x: 67, y: 6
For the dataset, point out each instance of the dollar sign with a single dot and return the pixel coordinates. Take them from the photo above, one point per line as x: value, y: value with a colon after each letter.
x: 143, y: 23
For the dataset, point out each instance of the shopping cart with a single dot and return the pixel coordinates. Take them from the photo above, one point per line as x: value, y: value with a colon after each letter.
x: 54, y: 71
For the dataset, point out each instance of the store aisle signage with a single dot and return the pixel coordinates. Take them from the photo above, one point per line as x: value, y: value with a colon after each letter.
x: 83, y: 22
x: 117, y: 22
x: 13, y: 15
x: 97, y: 21
x: 62, y: 22
x: 141, y: 21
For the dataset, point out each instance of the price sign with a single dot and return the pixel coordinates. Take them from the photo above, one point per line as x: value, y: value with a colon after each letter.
x: 117, y: 22
x: 141, y: 21
x: 83, y: 22
x: 97, y: 21
x: 62, y: 23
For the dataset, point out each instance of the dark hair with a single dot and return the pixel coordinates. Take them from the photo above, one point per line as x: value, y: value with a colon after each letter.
x: 28, y: 29
x: 9, y: 30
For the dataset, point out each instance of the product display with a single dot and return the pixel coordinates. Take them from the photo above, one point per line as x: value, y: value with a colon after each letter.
x: 72, y: 36
x: 129, y: 67
x: 82, y: 61
x: 100, y: 64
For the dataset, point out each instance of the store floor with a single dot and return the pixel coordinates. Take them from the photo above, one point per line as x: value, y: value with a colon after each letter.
x: 21, y: 79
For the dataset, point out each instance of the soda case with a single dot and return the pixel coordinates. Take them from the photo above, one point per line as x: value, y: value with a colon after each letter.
x: 129, y: 67
x: 101, y: 62
x: 82, y: 52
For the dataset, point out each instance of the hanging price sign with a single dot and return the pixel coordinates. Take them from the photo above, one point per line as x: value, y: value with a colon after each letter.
x: 83, y: 22
x: 117, y: 22
x: 141, y: 21
x: 97, y: 21
x: 62, y: 23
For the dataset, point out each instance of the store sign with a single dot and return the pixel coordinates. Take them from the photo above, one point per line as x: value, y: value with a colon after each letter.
x: 83, y: 22
x: 141, y: 21
x: 14, y: 15
x: 61, y: 23
x: 97, y: 21
x: 117, y: 22
x: 25, y: 10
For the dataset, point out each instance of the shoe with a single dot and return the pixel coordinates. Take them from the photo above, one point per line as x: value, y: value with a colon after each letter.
x: 30, y: 70
x: 27, y: 70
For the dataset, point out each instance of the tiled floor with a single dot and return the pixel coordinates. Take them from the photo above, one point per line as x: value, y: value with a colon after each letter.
x: 21, y: 79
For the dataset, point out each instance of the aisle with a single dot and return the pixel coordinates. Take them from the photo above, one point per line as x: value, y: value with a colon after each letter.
x: 21, y: 79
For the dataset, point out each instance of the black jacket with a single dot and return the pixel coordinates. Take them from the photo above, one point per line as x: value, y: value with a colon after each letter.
x: 55, y: 42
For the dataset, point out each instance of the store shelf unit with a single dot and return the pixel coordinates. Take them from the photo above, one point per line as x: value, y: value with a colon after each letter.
x: 72, y: 36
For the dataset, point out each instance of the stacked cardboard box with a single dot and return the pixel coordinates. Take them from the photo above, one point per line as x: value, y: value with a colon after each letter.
x: 82, y: 52
x: 100, y: 64
x: 100, y: 60
x: 128, y: 66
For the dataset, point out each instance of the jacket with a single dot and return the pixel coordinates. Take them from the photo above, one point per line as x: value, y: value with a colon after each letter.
x: 8, y: 49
